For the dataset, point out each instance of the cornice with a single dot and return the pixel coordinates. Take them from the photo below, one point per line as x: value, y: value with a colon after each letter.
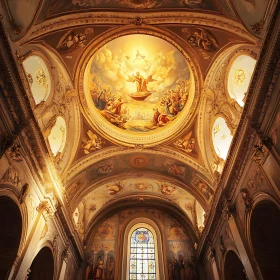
x: 245, y: 136
x: 268, y: 72
x: 147, y: 18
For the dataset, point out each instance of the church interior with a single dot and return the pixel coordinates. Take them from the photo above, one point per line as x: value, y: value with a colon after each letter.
x: 139, y: 139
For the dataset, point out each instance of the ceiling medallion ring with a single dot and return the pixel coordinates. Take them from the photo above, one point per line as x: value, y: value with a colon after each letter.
x: 138, y: 87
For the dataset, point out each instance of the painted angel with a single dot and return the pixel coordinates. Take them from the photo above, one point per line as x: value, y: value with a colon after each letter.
x: 70, y: 41
x: 203, y: 39
x: 92, y: 144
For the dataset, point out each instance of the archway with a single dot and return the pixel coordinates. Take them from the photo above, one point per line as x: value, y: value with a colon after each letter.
x: 233, y: 269
x: 10, y: 234
x: 42, y: 266
x: 265, y: 232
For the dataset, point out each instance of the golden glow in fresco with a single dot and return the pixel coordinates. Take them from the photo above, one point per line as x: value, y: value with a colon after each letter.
x: 139, y: 82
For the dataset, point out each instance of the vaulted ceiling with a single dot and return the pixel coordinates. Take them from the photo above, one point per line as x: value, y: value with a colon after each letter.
x: 137, y: 101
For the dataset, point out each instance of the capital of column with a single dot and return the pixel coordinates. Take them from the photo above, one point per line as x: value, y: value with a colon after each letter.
x: 45, y: 209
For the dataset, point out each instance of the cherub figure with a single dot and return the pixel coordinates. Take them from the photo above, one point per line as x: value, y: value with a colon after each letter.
x: 92, y: 144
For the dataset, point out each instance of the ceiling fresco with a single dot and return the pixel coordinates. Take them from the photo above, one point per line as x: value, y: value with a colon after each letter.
x: 74, y: 5
x: 71, y: 42
x: 139, y: 83
x: 21, y: 20
x: 253, y: 13
x: 136, y: 165
x: 103, y: 194
x: 206, y: 43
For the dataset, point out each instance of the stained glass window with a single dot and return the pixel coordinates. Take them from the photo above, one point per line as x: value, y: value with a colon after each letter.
x: 142, y: 255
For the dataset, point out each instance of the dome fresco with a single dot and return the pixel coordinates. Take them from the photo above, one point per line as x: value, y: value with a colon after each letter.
x: 139, y: 83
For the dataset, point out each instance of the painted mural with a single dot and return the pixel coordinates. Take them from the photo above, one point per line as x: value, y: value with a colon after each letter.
x: 93, y: 203
x: 180, y: 251
x: 139, y: 82
x: 103, y: 253
x: 101, y: 260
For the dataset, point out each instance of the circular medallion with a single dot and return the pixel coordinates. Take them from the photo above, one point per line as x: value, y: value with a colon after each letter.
x: 139, y: 89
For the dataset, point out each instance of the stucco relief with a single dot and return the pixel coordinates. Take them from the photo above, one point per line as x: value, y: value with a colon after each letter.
x: 11, y: 176
x: 92, y: 143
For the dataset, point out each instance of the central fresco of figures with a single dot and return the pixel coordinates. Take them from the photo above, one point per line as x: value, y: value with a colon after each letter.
x: 139, y: 82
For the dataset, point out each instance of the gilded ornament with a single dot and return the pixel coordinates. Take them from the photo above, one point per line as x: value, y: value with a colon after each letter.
x: 186, y: 144
x: 114, y: 189
x: 92, y: 144
x: 14, y: 152
x: 247, y: 199
x: 239, y: 76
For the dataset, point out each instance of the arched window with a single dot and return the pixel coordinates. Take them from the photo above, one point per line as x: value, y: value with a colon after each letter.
x: 142, y: 262
x: 57, y: 137
x: 38, y: 76
x: 221, y: 137
x: 143, y: 253
x: 239, y: 77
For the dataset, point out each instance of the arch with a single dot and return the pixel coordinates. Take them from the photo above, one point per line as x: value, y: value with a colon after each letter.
x: 42, y: 266
x: 10, y: 234
x: 152, y: 226
x: 264, y: 233
x: 233, y: 267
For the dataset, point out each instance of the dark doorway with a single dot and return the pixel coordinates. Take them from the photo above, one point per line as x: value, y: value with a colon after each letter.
x: 42, y: 266
x: 265, y: 237
x: 234, y: 269
x: 10, y: 234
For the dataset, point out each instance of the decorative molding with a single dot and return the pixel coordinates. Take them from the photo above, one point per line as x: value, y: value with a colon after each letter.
x: 247, y: 199
x: 231, y: 211
x: 23, y: 193
x: 14, y: 152
x: 16, y: 28
x: 211, y: 255
x: 66, y: 253
x: 151, y: 18
x: 258, y: 153
x: 138, y: 21
x: 45, y: 209
x: 222, y: 245
x: 54, y: 242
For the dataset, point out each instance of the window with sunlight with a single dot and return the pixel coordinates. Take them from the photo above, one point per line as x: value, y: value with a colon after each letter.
x: 142, y: 262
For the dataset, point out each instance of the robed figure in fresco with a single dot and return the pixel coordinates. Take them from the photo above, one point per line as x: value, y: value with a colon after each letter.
x: 95, y: 272
x: 89, y: 270
x: 141, y: 83
x: 141, y: 86
x: 99, y: 269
